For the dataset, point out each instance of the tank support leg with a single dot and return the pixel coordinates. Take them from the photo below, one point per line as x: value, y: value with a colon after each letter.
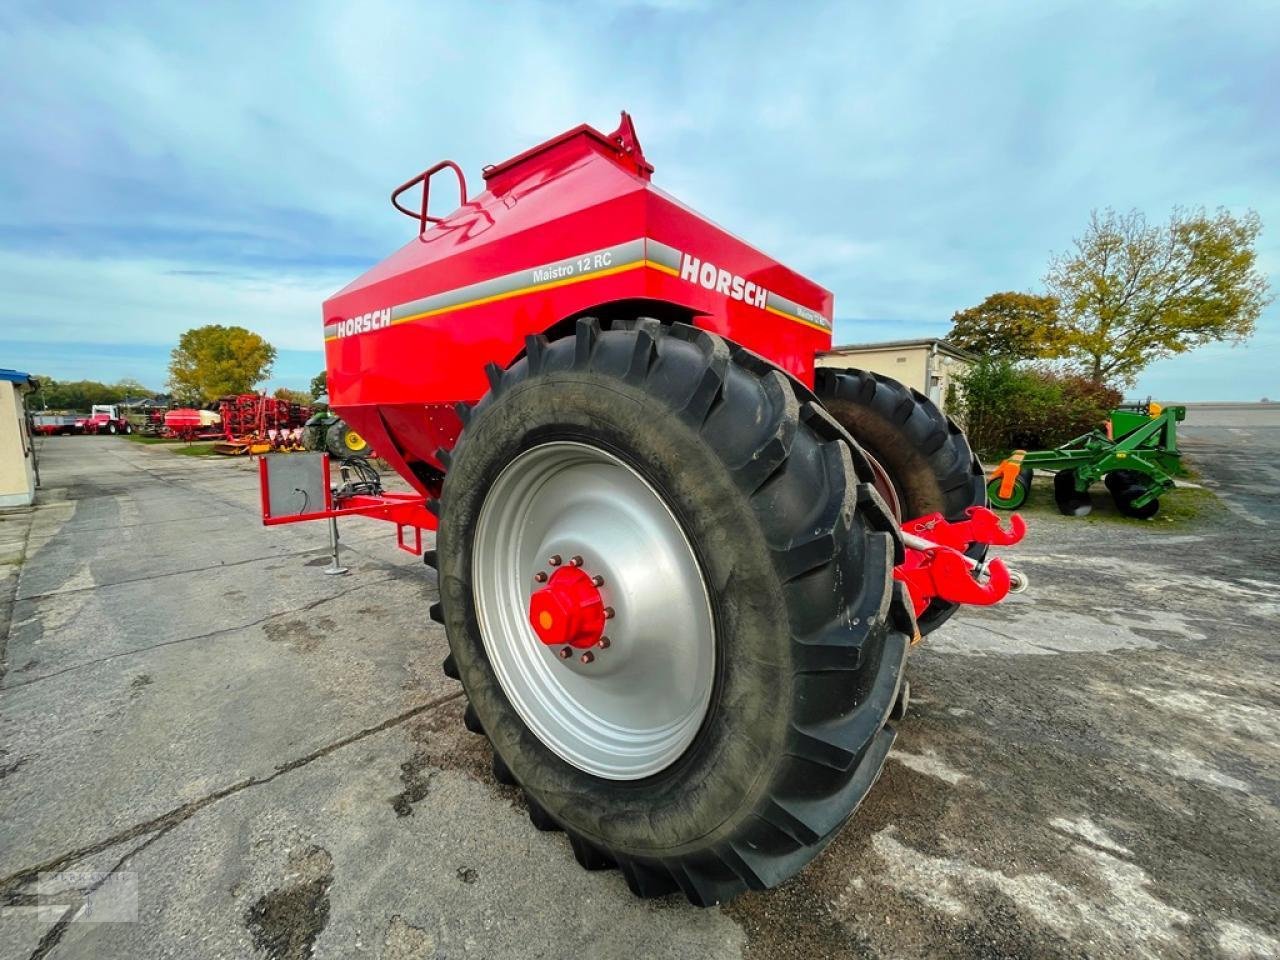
x: 335, y: 567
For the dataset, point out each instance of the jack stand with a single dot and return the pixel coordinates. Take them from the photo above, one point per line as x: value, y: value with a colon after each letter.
x: 334, y: 568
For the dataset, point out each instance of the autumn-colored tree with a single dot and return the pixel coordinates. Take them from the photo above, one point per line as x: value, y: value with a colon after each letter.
x: 212, y: 361
x: 1132, y: 293
x: 319, y: 385
x: 293, y: 396
x: 1010, y: 325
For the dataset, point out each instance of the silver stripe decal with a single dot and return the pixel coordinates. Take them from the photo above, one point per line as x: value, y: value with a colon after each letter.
x: 663, y: 254
x: 671, y: 257
x: 619, y: 255
x: 796, y: 310
x: 581, y: 265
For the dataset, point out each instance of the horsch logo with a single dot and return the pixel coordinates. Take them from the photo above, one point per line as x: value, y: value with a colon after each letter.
x: 715, y: 278
x: 373, y: 320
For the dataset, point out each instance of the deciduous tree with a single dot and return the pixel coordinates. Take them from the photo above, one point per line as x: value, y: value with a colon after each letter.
x: 132, y: 388
x: 293, y: 396
x: 1010, y: 325
x: 212, y: 361
x: 1132, y: 293
x: 80, y: 395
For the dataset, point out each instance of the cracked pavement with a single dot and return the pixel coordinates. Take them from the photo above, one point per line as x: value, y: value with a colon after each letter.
x: 274, y: 759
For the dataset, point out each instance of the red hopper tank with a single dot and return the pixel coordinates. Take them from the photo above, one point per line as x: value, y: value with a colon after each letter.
x: 572, y: 227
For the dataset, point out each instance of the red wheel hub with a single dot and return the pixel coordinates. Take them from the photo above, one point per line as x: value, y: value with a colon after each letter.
x: 568, y: 611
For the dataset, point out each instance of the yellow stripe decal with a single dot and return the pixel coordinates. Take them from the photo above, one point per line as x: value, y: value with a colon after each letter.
x: 645, y: 253
x: 788, y: 316
x: 507, y: 295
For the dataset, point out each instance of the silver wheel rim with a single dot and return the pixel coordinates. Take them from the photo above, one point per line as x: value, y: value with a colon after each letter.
x: 884, y: 486
x: 634, y: 708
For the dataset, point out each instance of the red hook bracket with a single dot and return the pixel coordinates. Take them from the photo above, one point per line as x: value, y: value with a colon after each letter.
x: 943, y: 574
x: 940, y: 570
x: 983, y: 526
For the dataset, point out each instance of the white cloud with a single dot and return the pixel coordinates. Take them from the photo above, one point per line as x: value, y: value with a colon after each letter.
x: 153, y: 301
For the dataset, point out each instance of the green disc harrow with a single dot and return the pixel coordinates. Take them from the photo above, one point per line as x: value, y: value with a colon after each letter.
x: 1136, y: 457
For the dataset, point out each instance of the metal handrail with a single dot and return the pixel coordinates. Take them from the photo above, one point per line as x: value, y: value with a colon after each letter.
x: 424, y: 178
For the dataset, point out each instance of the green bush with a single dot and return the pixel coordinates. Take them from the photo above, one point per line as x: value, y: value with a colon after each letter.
x: 1007, y: 405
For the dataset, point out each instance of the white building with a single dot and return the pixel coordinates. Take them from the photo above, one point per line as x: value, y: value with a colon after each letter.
x: 17, y: 453
x: 930, y: 365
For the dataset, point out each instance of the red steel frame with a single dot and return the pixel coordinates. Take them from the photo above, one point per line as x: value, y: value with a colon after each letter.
x: 408, y: 511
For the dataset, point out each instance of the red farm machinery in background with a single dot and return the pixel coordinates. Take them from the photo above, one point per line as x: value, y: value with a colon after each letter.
x: 102, y: 418
x: 255, y: 423
x: 190, y: 424
x: 679, y: 566
x: 242, y: 423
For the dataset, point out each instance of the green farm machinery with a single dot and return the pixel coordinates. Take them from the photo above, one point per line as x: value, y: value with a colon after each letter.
x: 1136, y: 457
x: 329, y: 433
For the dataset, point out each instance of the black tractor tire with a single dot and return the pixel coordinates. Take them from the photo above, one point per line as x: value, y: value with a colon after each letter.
x: 1071, y: 502
x: 796, y: 550
x: 337, y: 440
x: 314, y: 433
x: 924, y: 452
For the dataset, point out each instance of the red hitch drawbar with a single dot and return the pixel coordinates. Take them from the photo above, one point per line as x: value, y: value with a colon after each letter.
x: 298, y: 486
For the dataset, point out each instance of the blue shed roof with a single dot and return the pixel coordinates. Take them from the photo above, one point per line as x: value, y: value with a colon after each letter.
x: 15, y: 376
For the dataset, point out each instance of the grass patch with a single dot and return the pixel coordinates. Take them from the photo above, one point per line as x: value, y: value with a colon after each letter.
x: 1180, y: 508
x: 142, y: 438
x: 181, y: 447
x: 197, y: 450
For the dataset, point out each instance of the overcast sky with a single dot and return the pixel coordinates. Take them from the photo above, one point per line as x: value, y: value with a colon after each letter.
x: 169, y: 165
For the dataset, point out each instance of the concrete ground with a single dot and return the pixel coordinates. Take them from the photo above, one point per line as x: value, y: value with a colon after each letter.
x: 1237, y: 445
x: 204, y: 732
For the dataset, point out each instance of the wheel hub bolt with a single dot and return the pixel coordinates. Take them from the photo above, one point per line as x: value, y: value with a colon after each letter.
x: 575, y: 561
x: 587, y: 657
x: 603, y: 643
x: 566, y: 653
x: 608, y: 613
x: 597, y: 581
x: 555, y: 560
x: 566, y: 608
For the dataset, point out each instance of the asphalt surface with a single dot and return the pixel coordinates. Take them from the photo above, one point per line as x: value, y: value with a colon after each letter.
x: 238, y: 756
x: 1237, y: 445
